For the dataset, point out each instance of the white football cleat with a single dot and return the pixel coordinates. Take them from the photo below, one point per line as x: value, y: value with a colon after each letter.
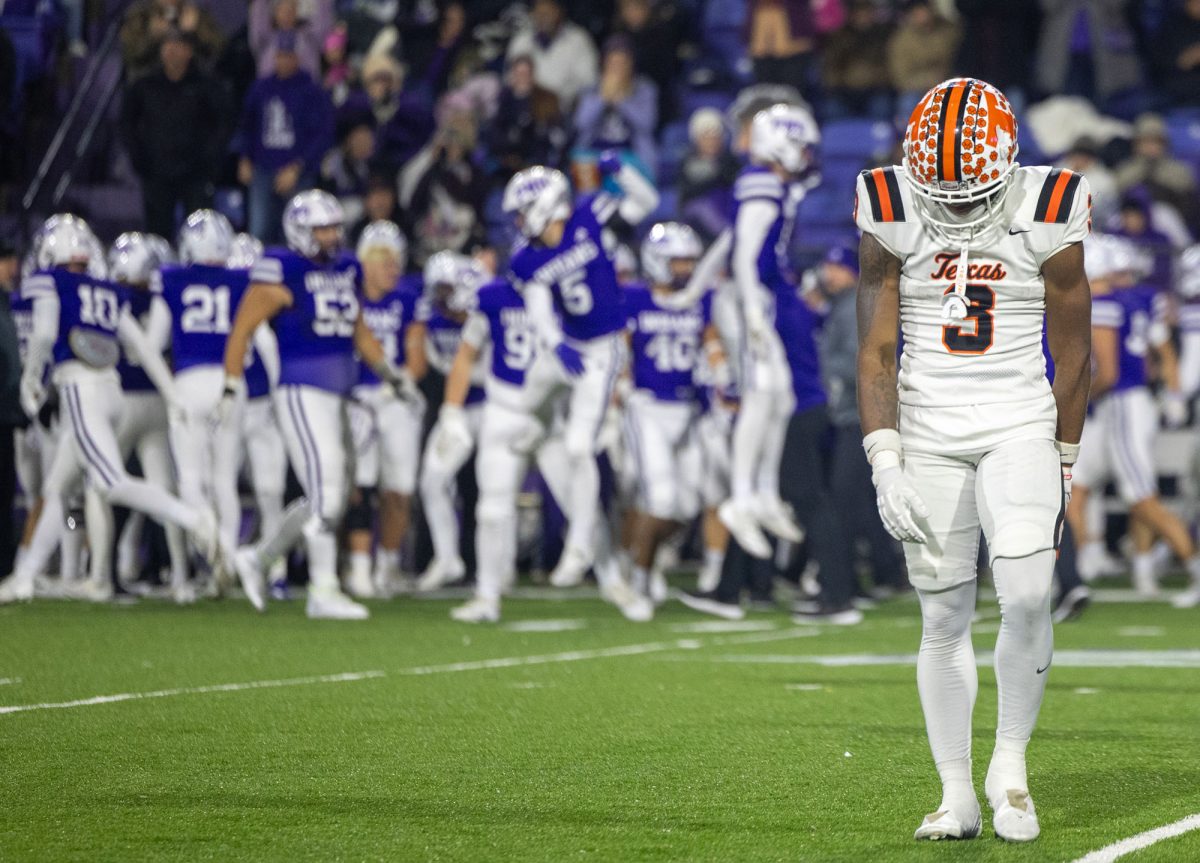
x: 776, y: 517
x: 658, y: 587
x: 1145, y: 584
x: 94, y: 590
x: 945, y: 824
x: 632, y: 604
x: 360, y: 586
x: 206, y: 538
x: 245, y: 564
x: 572, y: 567
x: 1014, y: 819
x: 14, y: 589
x: 334, y: 605
x: 477, y: 610
x: 744, y: 527
x: 440, y: 573
x: 183, y: 593
x: 1190, y: 598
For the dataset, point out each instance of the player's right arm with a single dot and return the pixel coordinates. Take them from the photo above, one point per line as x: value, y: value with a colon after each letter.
x: 1068, y: 333
x: 415, y: 359
x: 261, y: 302
x: 878, y: 401
x: 46, y: 310
x: 452, y: 433
x: 754, y: 220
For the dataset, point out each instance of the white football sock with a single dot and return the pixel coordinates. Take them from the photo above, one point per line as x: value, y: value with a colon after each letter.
x: 437, y: 499
x: 774, y: 438
x: 496, y: 552
x: 99, y: 525
x: 273, y: 546
x: 1024, y: 648
x: 70, y: 553
x: 584, y: 502
x: 948, y: 681
x: 387, y: 562
x: 749, y: 438
x: 321, y: 544
x: 360, y: 565
x: 1144, y: 574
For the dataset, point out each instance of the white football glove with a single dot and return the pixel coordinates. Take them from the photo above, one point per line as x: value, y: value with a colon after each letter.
x: 899, y: 501
x: 1174, y: 410
x: 452, y: 439
x: 177, y: 412
x: 1067, y: 470
x: 235, y: 388
x: 33, y: 395
x: 403, y: 386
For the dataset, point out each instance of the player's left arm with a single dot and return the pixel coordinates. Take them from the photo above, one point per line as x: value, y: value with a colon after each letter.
x: 638, y: 197
x: 1069, y: 335
x: 415, y: 359
x: 458, y: 382
x: 147, y: 355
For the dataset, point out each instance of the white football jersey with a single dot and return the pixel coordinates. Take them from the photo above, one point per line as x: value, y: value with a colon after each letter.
x: 969, y: 385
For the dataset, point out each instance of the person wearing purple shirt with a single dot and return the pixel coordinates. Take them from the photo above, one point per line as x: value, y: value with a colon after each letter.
x: 286, y: 129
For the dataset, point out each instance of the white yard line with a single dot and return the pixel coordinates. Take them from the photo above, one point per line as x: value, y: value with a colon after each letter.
x: 1062, y: 659
x: 417, y: 671
x: 1112, y: 852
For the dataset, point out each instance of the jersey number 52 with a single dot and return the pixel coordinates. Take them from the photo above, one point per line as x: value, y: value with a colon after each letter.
x: 974, y: 335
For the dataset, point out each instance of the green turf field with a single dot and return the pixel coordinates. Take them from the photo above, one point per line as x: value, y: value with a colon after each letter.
x: 407, y: 738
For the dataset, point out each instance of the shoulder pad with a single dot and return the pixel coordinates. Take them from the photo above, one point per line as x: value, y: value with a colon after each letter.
x: 1057, y: 196
x: 756, y: 183
x: 883, y: 195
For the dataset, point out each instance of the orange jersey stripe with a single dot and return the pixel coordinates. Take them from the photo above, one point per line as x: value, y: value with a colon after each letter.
x: 949, y: 130
x: 885, y: 197
x: 1057, y: 195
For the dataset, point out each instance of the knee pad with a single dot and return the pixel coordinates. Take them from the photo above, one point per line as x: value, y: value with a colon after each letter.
x: 1021, y: 539
x: 579, y: 445
x: 495, y: 509
x: 360, y: 513
x: 659, y: 500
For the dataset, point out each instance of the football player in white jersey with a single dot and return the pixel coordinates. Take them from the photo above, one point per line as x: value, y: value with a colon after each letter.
x: 80, y: 324
x: 968, y: 255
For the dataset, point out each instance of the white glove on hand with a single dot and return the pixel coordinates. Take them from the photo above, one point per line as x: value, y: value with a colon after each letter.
x: 1174, y: 410
x: 898, y: 501
x: 757, y: 333
x: 404, y: 387
x: 33, y: 395
x: 177, y: 412
x: 235, y: 388
x: 452, y: 438
x: 1067, y: 470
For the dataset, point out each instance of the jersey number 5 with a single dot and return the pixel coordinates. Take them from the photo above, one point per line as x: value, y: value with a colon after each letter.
x: 974, y: 335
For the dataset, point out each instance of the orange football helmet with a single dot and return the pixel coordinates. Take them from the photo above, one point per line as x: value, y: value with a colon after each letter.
x: 961, y: 148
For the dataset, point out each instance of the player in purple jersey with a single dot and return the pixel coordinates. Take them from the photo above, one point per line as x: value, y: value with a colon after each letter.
x: 79, y: 325
x: 1128, y: 326
x: 451, y: 282
x: 309, y: 295
x: 571, y: 290
x: 387, y: 431
x: 667, y: 345
x: 782, y: 141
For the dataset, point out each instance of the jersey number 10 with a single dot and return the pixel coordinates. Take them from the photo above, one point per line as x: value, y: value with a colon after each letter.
x: 958, y: 338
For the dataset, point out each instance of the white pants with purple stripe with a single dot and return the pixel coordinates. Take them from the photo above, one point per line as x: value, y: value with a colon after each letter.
x: 316, y: 433
x: 663, y: 445
x: 1118, y: 443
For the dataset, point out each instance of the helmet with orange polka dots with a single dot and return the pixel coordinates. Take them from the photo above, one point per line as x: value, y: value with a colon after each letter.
x: 960, y: 148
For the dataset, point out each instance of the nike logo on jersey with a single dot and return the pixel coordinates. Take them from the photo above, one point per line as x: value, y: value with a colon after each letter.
x: 1015, y: 231
x: 1042, y: 670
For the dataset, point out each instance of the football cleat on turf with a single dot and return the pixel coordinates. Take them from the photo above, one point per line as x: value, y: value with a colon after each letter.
x: 658, y: 588
x: 1145, y: 583
x: 14, y: 589
x: 631, y: 604
x: 245, y: 564
x: 708, y: 603
x: 745, y: 529
x: 708, y: 579
x: 818, y: 612
x: 572, y: 567
x: 1014, y: 818
x: 206, y: 539
x: 1072, y: 604
x: 360, y: 585
x: 98, y: 590
x: 945, y: 824
x: 183, y: 593
x: 776, y: 517
x: 440, y: 573
x: 334, y: 605
x: 477, y: 610
x: 1190, y: 598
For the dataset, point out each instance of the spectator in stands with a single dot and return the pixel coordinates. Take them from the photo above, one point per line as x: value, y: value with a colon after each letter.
x: 1178, y: 50
x: 564, y: 55
x: 782, y: 40
x: 269, y: 18
x: 621, y: 112
x: 346, y: 169
x: 1087, y: 48
x: 147, y: 23
x: 1151, y: 165
x: 920, y: 54
x: 528, y: 126
x: 403, y: 122
x: 854, y: 72
x: 442, y: 191
x: 379, y: 202
x: 337, y: 76
x: 11, y: 415
x: 998, y: 44
x: 1084, y: 157
x: 657, y: 30
x: 432, y: 47
x: 175, y: 121
x: 1136, y: 220
x: 287, y: 125
x: 707, y: 174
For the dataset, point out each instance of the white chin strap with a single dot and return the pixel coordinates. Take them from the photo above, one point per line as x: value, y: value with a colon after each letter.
x: 955, y: 306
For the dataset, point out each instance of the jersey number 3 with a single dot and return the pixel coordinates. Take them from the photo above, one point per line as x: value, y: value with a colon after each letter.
x: 977, y: 339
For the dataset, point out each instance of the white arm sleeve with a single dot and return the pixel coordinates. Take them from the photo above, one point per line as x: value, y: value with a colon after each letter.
x: 158, y: 325
x: 139, y: 346
x: 1189, y: 362
x: 640, y: 198
x: 753, y: 222
x: 45, y: 331
x: 705, y: 276
x: 267, y: 348
x: 540, y: 305
x: 475, y: 331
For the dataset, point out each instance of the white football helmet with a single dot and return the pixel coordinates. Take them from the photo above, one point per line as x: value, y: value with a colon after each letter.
x: 787, y: 135
x: 133, y: 259
x: 66, y: 239
x: 1189, y: 273
x: 453, y: 280
x: 206, y: 238
x: 244, y: 252
x: 306, y: 211
x: 384, y: 235
x: 668, y: 241
x: 538, y: 195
